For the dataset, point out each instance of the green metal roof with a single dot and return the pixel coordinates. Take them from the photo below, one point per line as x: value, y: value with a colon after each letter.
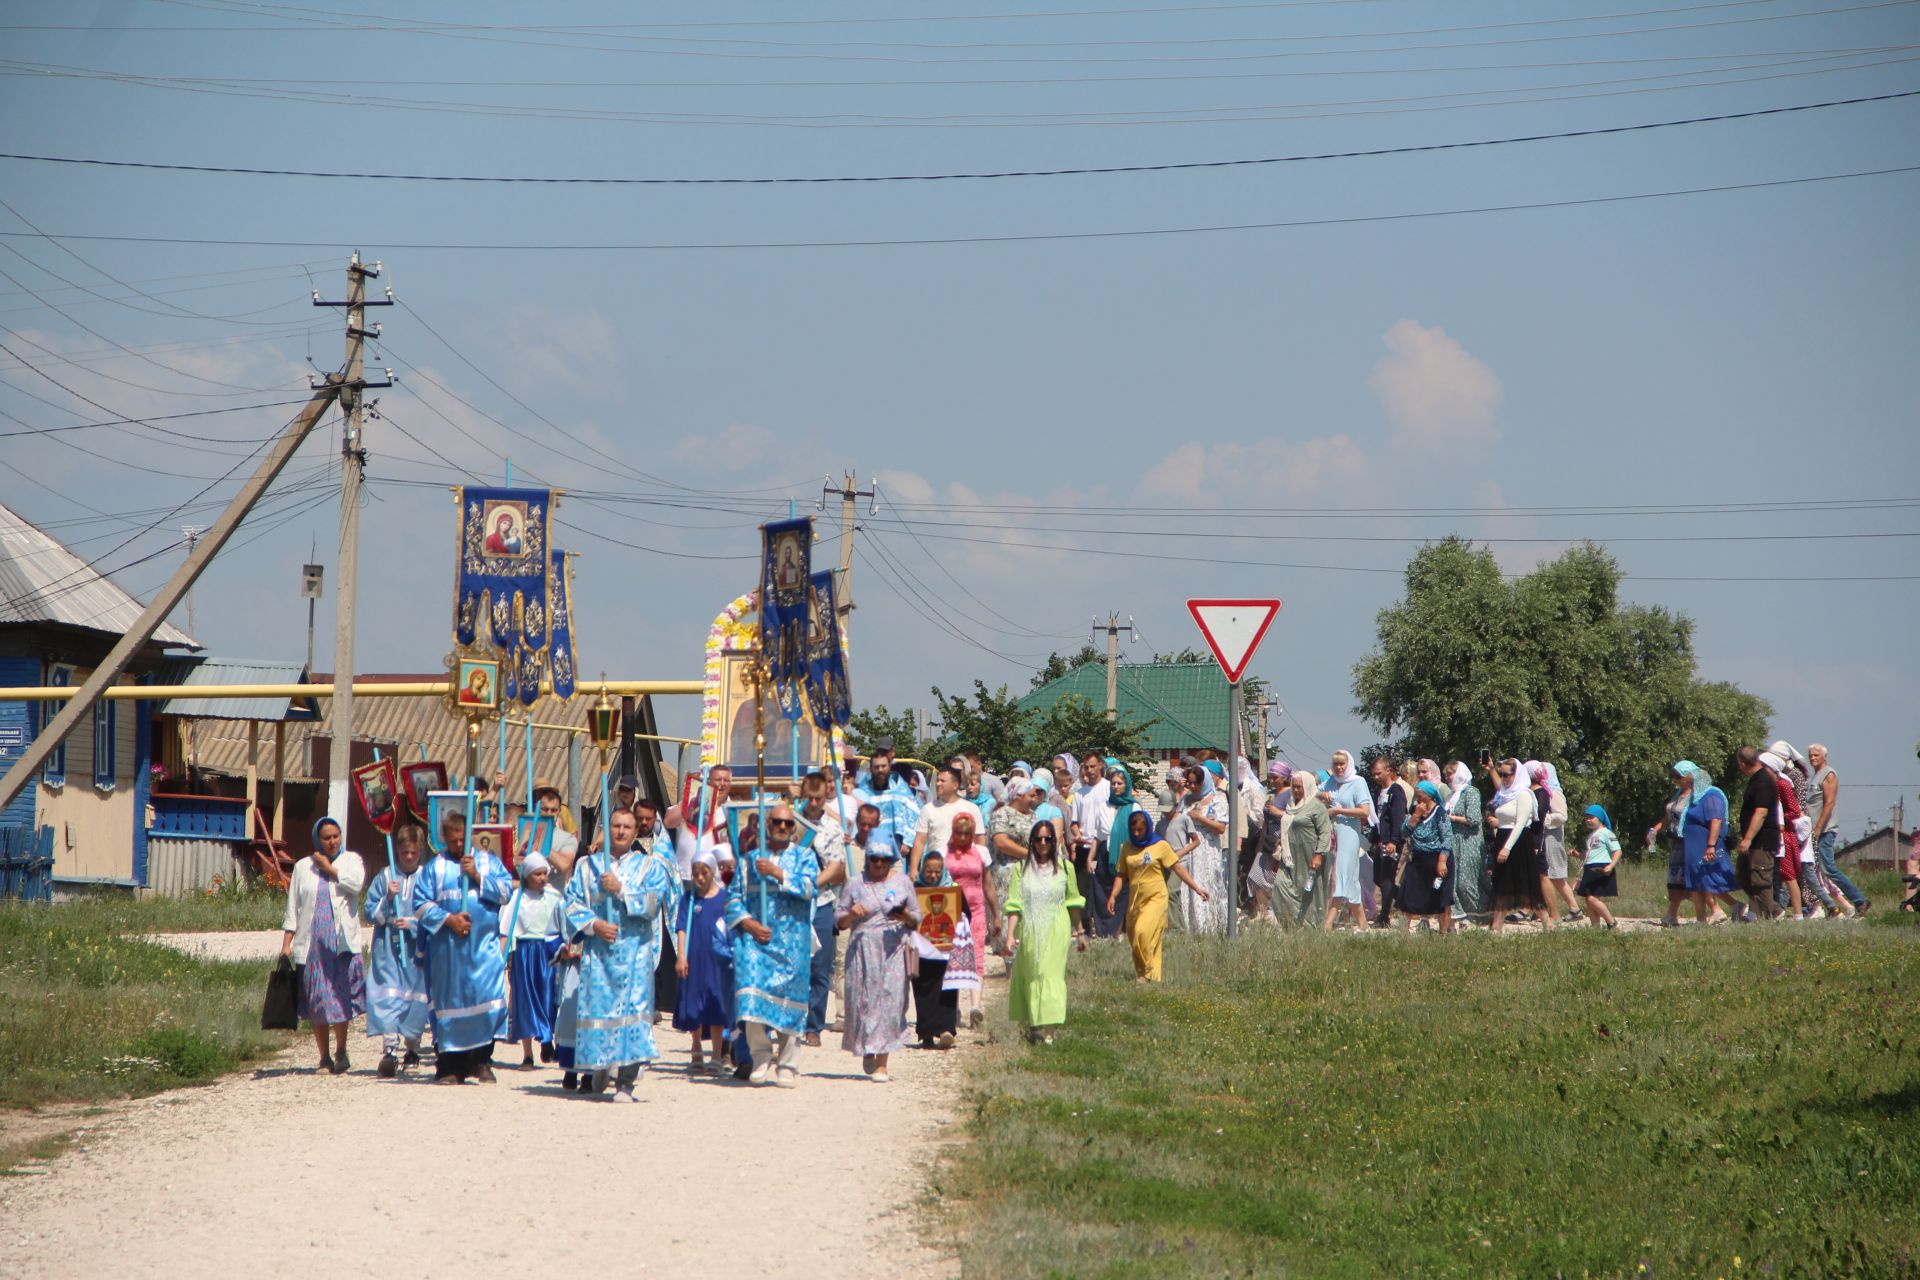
x: 1187, y: 699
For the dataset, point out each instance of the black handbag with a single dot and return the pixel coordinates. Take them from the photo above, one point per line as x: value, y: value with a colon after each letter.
x: 280, y: 1012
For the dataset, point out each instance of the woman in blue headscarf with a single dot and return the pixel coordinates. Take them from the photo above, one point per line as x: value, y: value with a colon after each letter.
x: 1144, y: 861
x: 1108, y: 884
x: 1426, y: 886
x: 1709, y: 872
x: 320, y: 933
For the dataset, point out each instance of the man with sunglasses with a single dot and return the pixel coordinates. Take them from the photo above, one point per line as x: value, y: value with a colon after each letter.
x: 822, y: 829
x: 770, y: 912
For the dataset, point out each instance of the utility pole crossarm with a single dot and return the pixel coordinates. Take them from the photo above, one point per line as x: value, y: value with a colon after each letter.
x: 848, y: 492
x: 206, y: 547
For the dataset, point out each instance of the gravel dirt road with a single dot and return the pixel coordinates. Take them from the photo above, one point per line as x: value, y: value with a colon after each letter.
x: 284, y: 1172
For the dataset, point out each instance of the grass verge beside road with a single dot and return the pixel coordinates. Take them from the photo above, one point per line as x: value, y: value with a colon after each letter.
x: 88, y: 1010
x: 1707, y: 1102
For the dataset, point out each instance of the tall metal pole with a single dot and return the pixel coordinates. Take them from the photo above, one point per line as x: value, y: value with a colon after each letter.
x: 352, y: 465
x: 1232, y: 852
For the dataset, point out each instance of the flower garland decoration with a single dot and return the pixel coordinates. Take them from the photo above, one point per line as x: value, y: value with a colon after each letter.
x: 735, y: 628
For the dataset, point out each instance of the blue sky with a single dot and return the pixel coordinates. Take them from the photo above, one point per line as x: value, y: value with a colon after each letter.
x: 1752, y: 346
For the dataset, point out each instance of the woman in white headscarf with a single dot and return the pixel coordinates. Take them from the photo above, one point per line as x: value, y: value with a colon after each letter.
x: 1515, y: 844
x: 1350, y: 802
x: 1471, y: 889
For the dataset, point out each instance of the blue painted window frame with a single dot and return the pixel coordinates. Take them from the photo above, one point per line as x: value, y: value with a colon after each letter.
x: 54, y: 772
x: 106, y: 719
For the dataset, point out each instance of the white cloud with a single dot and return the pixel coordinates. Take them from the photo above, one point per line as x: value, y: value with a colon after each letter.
x: 1275, y: 467
x: 1437, y: 394
x: 735, y: 447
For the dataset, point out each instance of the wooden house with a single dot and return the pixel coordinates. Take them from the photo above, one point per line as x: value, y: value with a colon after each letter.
x: 58, y: 619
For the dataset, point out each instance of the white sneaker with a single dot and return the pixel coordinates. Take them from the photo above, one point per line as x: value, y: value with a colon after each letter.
x: 623, y: 1095
x: 881, y: 1076
x: 761, y: 1071
x: 788, y: 1078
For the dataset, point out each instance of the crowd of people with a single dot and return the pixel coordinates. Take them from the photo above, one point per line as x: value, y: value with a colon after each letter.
x: 909, y: 886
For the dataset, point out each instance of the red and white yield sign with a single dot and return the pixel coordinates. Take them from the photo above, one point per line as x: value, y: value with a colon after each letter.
x: 1234, y: 629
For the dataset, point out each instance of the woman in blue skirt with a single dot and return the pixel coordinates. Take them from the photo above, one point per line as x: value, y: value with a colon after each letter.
x: 705, y: 964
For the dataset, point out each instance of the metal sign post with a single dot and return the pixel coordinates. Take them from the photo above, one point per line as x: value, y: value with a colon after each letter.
x: 1233, y: 629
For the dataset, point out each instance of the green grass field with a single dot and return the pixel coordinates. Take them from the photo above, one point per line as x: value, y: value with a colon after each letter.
x: 88, y: 1010
x: 1734, y: 1101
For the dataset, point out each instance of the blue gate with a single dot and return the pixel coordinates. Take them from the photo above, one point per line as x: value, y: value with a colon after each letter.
x: 26, y: 863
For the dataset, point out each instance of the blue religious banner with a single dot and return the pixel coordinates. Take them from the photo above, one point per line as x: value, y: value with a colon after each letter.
x: 501, y: 568
x: 560, y: 647
x: 829, y: 700
x: 786, y: 554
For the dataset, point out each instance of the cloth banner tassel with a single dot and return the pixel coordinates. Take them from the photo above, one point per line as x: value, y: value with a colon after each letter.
x: 829, y: 699
x: 786, y: 554
x: 560, y: 663
x: 500, y: 568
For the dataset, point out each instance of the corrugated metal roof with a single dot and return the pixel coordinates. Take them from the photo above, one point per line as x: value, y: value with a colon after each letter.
x: 411, y: 729
x: 212, y: 671
x: 42, y: 581
x: 1188, y: 699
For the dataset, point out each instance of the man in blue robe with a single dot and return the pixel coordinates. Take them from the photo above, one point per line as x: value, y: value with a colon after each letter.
x: 890, y: 790
x: 456, y: 906
x: 770, y: 911
x: 616, y: 903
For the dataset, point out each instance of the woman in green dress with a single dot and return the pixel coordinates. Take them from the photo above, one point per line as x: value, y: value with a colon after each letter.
x: 1044, y: 906
x: 1472, y: 889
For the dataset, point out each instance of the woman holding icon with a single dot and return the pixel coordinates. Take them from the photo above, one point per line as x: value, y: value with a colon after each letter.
x: 878, y: 911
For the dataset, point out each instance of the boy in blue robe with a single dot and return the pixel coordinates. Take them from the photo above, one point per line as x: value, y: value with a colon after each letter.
x: 770, y: 911
x: 456, y: 902
x: 397, y: 1003
x: 615, y: 904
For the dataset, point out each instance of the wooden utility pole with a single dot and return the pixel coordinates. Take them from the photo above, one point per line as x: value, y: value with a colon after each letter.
x: 1113, y: 628
x: 353, y: 461
x: 848, y: 493
x: 168, y: 598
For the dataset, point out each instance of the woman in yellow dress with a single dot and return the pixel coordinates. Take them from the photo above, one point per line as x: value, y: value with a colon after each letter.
x: 1144, y: 862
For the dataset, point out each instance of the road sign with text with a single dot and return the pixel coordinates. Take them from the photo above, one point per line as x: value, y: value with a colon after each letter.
x: 1234, y: 629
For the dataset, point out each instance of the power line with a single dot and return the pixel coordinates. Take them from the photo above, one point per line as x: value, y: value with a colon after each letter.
x: 1222, y: 535
x: 1287, y: 513
x: 160, y: 417
x: 1303, y: 157
x: 932, y: 612
x: 1024, y: 238
x: 537, y: 415
x: 1339, y: 568
x: 478, y: 33
x: 1409, y: 104
x: 37, y: 70
x: 1024, y: 630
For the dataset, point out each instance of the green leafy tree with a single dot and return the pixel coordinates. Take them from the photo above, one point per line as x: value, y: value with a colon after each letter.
x: 864, y: 728
x: 992, y: 723
x: 1550, y: 666
x: 1057, y: 666
x: 1075, y: 724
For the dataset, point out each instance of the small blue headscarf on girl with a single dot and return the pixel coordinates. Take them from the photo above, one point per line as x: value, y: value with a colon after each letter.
x: 1595, y: 811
